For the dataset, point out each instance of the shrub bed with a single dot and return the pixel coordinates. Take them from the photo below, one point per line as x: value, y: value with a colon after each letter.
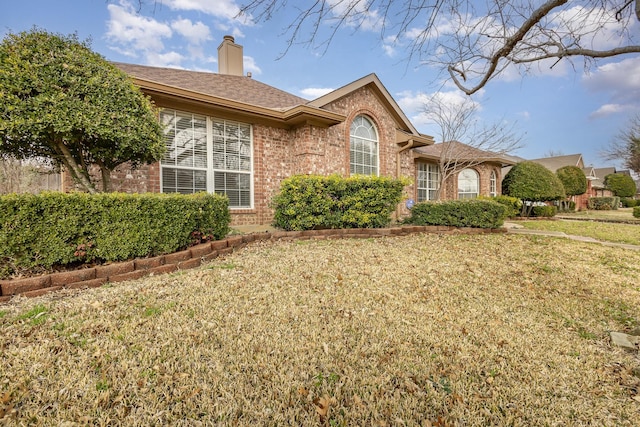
x: 545, y: 211
x: 603, y: 203
x: 308, y: 202
x: 513, y: 204
x: 459, y: 213
x: 42, y: 231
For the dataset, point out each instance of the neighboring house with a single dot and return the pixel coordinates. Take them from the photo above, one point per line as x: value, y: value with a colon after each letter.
x: 599, y: 189
x: 230, y: 134
x: 468, y: 171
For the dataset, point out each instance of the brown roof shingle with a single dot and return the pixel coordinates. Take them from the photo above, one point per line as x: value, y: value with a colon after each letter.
x: 236, y: 88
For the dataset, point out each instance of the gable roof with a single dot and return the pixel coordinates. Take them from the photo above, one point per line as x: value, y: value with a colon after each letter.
x: 457, y: 151
x: 556, y: 162
x: 373, y: 82
x: 240, y: 96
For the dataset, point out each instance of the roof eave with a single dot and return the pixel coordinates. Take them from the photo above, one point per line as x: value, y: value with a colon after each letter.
x: 284, y: 118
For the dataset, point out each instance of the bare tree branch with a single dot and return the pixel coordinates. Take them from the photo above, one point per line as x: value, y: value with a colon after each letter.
x: 468, y: 41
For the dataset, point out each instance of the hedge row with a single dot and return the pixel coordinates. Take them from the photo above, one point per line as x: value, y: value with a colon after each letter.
x: 307, y: 202
x: 629, y: 203
x: 61, y: 229
x: 513, y: 204
x: 477, y: 213
x: 603, y: 203
x: 636, y: 211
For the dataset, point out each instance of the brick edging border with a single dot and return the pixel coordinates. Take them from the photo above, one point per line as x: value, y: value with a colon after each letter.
x: 192, y: 257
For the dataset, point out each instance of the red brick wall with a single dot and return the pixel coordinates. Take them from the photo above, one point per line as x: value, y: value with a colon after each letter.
x: 449, y: 190
x: 280, y: 153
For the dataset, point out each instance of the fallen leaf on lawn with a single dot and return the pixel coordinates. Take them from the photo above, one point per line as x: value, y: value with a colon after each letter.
x: 322, y: 406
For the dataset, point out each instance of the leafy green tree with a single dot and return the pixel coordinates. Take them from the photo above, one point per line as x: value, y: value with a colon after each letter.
x: 532, y: 182
x: 574, y: 181
x: 63, y: 102
x: 621, y: 185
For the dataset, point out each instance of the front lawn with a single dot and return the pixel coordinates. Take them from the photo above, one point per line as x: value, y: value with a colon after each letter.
x: 621, y: 214
x: 604, y: 231
x: 418, y: 330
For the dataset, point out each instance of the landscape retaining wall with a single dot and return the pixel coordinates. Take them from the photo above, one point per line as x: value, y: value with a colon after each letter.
x: 91, y: 277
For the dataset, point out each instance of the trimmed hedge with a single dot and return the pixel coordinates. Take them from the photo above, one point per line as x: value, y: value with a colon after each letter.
x: 636, y: 211
x: 41, y: 231
x: 513, y: 204
x: 603, y: 203
x: 307, y: 202
x: 628, y: 202
x: 545, y: 211
x: 476, y: 213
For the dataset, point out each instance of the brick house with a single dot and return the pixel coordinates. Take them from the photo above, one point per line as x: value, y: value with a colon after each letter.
x: 228, y: 133
x: 471, y: 172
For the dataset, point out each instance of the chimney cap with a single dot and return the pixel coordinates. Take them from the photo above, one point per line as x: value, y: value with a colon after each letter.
x: 229, y: 38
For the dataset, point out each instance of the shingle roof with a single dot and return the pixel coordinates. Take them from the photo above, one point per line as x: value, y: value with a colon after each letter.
x: 461, y: 152
x: 557, y: 162
x: 236, y: 88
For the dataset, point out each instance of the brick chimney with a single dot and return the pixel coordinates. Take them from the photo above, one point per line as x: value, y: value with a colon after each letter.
x: 230, y: 57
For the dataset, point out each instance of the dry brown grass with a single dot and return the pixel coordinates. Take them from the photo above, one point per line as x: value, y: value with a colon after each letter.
x: 418, y: 330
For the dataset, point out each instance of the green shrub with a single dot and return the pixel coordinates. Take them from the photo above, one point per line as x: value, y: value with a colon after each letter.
x: 603, y: 203
x: 636, y: 211
x: 545, y: 211
x: 40, y: 231
x: 513, y: 204
x: 621, y: 185
x: 628, y: 202
x: 308, y: 202
x: 476, y: 213
x: 533, y: 182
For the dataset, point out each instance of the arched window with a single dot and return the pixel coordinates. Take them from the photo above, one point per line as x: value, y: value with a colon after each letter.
x: 363, y: 151
x: 468, y: 184
x: 493, y: 184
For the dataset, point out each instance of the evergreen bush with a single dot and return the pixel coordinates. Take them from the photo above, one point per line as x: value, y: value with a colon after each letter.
x: 603, y: 203
x: 49, y: 229
x: 308, y: 202
x: 477, y: 213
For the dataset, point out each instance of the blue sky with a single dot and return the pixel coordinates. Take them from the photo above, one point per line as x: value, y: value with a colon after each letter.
x: 563, y: 109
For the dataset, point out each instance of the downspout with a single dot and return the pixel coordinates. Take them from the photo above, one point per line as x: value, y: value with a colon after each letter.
x: 407, y: 146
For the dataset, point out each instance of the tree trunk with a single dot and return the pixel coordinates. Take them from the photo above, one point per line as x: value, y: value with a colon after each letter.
x: 79, y: 175
x: 106, y: 178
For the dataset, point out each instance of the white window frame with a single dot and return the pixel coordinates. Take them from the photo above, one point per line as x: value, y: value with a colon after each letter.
x: 355, y: 167
x: 428, y: 181
x: 463, y: 193
x: 493, y: 184
x: 209, y: 168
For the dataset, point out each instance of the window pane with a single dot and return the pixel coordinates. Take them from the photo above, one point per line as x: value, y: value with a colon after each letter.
x: 363, y: 147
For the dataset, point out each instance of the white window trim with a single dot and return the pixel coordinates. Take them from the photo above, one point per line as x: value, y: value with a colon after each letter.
x: 493, y: 184
x: 428, y: 189
x: 477, y: 189
x: 377, y: 142
x: 210, y: 170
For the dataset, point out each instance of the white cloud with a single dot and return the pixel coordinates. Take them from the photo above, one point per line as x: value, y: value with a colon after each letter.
x: 226, y: 9
x: 315, y: 92
x: 133, y: 32
x: 621, y: 80
x: 416, y: 105
x: 609, y: 109
x: 169, y: 59
x: 195, y: 33
x: 358, y: 14
x: 250, y: 65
